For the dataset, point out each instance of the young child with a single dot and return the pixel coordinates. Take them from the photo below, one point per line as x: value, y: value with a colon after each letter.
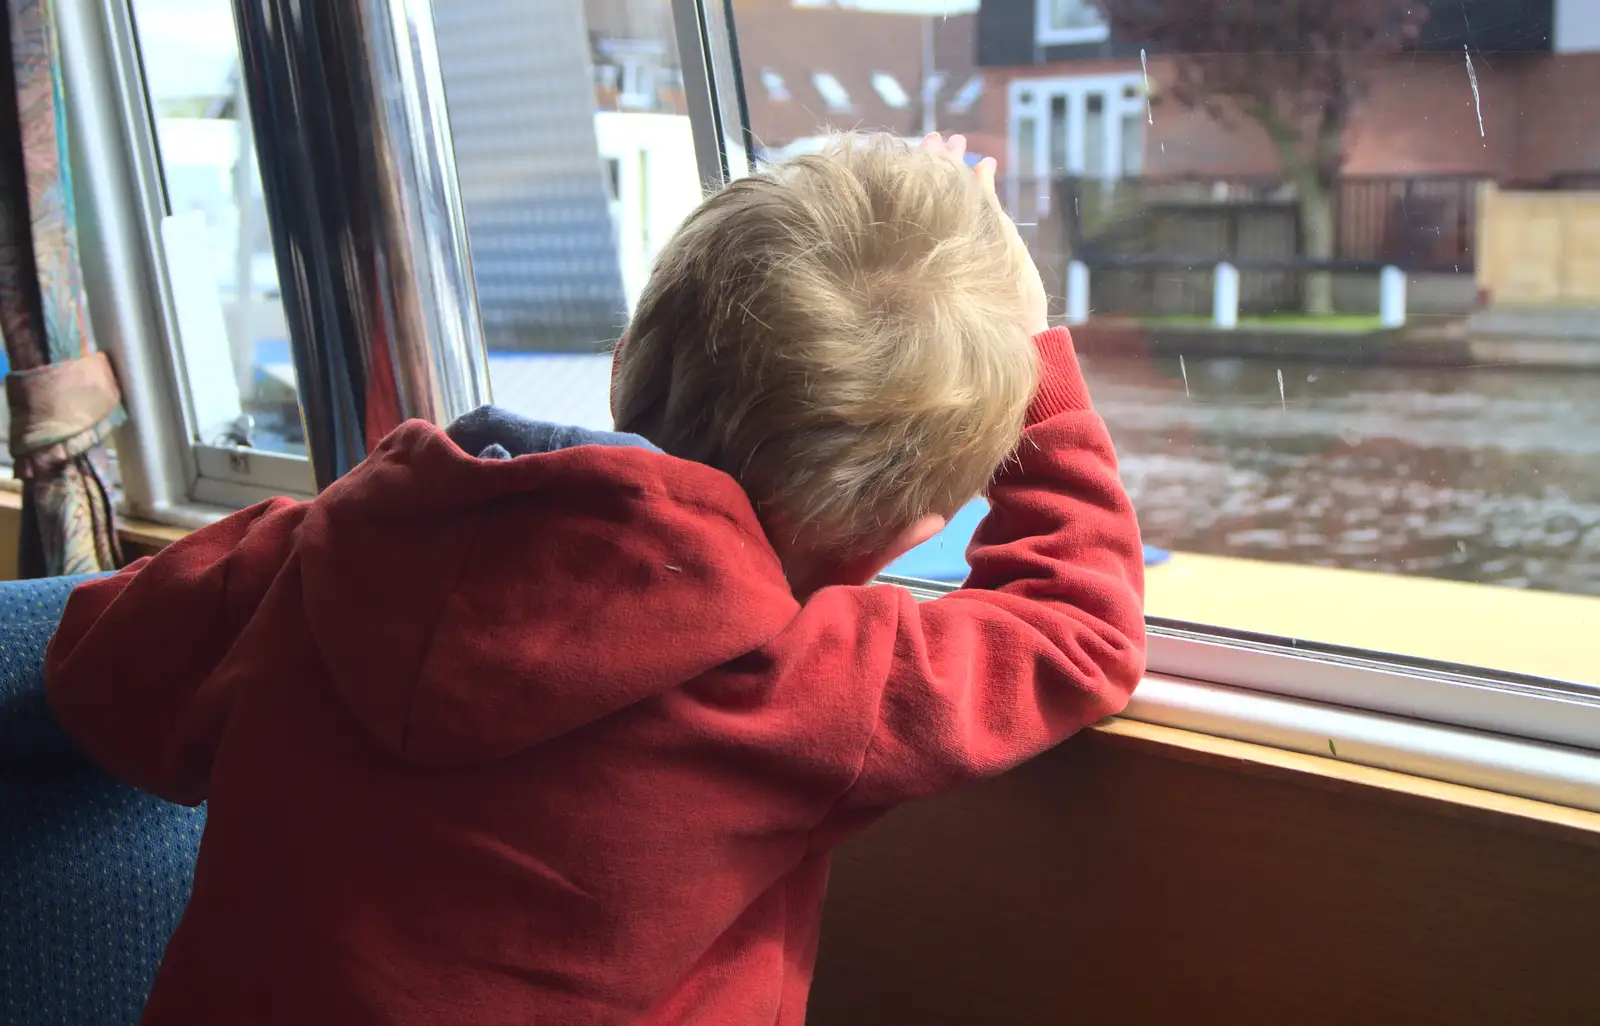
x: 522, y: 724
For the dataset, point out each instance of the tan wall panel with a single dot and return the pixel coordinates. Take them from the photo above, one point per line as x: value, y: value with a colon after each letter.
x: 1107, y: 885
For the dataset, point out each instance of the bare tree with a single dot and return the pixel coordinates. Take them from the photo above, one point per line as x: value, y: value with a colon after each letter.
x: 1294, y: 67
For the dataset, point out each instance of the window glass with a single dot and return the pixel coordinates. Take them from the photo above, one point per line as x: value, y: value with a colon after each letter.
x: 576, y: 164
x: 1070, y: 21
x: 233, y: 349
x: 1396, y: 445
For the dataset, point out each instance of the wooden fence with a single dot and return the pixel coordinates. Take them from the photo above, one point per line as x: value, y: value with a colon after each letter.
x: 1420, y: 224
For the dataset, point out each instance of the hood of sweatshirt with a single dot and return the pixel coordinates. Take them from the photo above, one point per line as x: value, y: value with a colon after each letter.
x: 476, y: 593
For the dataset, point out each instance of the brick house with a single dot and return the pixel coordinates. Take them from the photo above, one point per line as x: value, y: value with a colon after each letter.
x: 1074, y: 100
x: 1057, y: 74
x: 808, y: 68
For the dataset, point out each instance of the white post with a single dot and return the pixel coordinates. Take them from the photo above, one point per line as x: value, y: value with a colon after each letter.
x: 1392, y: 297
x: 1225, y: 297
x: 1077, y: 292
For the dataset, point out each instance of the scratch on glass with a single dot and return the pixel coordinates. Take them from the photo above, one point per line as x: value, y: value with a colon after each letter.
x: 1282, y: 401
x: 1184, y: 370
x: 1472, y: 76
x: 1144, y: 63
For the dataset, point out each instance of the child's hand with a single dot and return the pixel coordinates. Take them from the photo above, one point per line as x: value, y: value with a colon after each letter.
x: 1036, y: 305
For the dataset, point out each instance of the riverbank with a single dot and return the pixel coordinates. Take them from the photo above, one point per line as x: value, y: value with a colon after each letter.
x: 1431, y: 342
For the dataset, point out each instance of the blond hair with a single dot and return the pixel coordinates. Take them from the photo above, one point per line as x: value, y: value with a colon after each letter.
x: 844, y: 335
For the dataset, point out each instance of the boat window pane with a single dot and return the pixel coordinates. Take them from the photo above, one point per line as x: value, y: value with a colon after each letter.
x: 1397, y: 447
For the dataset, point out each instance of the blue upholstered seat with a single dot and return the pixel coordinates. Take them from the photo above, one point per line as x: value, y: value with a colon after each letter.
x: 93, y: 875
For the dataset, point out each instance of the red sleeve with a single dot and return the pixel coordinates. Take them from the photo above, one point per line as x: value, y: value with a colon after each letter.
x: 129, y: 671
x: 1046, y: 636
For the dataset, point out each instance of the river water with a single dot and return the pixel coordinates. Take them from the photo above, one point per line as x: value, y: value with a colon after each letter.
x: 1481, y: 474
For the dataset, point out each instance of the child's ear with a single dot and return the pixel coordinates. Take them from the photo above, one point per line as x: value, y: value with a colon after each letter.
x: 868, y: 567
x: 922, y: 531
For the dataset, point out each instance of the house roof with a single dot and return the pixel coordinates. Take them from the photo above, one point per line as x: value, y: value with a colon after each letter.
x: 808, y: 70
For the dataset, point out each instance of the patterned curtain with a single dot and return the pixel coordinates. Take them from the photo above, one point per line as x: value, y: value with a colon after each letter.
x: 63, y: 392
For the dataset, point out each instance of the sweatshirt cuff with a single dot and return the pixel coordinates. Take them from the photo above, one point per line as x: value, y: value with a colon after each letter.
x: 1061, y: 385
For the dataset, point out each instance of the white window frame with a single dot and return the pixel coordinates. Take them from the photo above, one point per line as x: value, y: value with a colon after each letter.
x: 1047, y: 34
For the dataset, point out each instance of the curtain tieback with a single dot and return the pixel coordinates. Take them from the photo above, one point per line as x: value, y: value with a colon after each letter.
x: 60, y: 411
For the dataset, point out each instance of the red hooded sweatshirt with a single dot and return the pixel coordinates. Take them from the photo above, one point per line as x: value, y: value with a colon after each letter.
x: 547, y: 739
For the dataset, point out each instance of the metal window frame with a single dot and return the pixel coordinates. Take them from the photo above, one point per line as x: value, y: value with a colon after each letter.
x: 169, y: 473
x: 714, y: 90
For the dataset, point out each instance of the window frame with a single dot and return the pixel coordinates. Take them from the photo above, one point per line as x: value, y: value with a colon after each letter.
x: 1045, y: 33
x: 170, y: 473
x: 714, y: 90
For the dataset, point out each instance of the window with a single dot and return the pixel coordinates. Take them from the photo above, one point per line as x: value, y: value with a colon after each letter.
x: 222, y: 312
x: 967, y: 95
x: 833, y: 93
x: 1062, y: 22
x: 1332, y: 516
x: 890, y: 90
x: 1094, y: 125
x: 773, y: 82
x: 568, y: 196
x: 1356, y: 411
x: 637, y: 75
